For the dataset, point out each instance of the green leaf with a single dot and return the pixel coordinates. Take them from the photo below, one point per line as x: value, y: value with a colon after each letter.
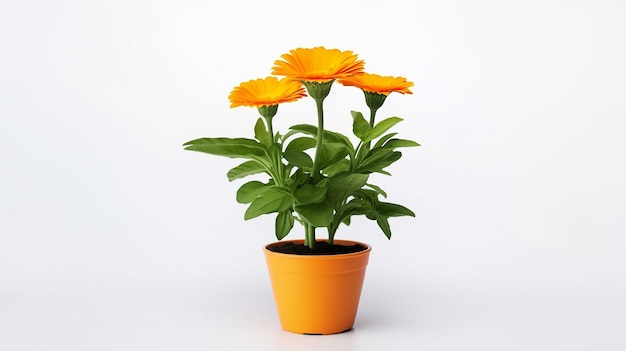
x: 394, y: 143
x: 261, y: 133
x: 377, y: 154
x: 393, y: 210
x: 294, y: 152
x: 383, y: 223
x: 284, y: 224
x: 301, y: 144
x: 332, y: 137
x: 228, y: 147
x: 298, y: 158
x: 378, y: 159
x: 311, y: 193
x: 331, y: 153
x: 343, y: 185
x: 377, y: 189
x: 318, y: 214
x: 304, y: 128
x: 382, y: 140
x: 367, y: 194
x: 298, y: 178
x: 380, y: 128
x: 271, y: 200
x: 335, y: 137
x: 250, y: 191
x: 343, y: 214
x: 360, y: 127
x: 337, y: 167
x: 245, y: 169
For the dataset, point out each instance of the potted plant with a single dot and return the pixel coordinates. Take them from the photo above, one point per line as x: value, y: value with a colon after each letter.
x: 316, y: 177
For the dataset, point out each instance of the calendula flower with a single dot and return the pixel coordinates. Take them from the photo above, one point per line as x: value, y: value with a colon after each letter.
x: 317, y: 68
x: 318, y: 64
x: 377, y: 88
x: 266, y: 92
x: 374, y: 83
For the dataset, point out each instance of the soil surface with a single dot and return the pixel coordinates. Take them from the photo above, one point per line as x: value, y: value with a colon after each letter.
x: 321, y: 248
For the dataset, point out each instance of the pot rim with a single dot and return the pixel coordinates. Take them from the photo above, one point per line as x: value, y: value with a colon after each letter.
x: 367, y: 250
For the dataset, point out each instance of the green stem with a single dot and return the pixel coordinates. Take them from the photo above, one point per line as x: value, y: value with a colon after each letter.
x: 320, y: 138
x: 372, y: 116
x: 270, y: 129
x: 316, y: 174
x: 309, y: 238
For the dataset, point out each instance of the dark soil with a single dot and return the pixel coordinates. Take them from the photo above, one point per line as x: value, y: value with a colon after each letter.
x: 321, y: 248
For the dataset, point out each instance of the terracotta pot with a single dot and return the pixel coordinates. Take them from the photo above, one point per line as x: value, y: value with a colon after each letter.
x: 317, y: 294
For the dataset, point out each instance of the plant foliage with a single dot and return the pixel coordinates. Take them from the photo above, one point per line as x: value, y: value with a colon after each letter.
x: 317, y: 177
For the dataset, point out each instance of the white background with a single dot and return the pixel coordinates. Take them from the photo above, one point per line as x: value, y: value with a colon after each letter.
x: 114, y: 238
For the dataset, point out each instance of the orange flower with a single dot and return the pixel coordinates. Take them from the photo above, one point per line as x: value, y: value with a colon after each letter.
x: 266, y: 92
x: 373, y: 83
x: 318, y: 64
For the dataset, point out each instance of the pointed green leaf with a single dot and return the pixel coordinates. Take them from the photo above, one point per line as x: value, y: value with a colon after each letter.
x: 319, y: 214
x: 228, y: 147
x: 337, y: 167
x: 377, y: 189
x: 245, y: 169
x: 271, y: 200
x: 393, y: 210
x: 380, y: 128
x: 332, y: 137
x: 360, y: 127
x: 250, y: 191
x: 379, y: 159
x: 261, y: 134
x: 383, y: 223
x: 305, y: 128
x: 343, y: 185
x: 382, y: 140
x: 284, y: 224
x: 331, y: 153
x: 301, y: 144
x: 311, y: 193
x: 367, y: 194
x: 343, y: 214
x: 298, y: 158
x: 394, y: 143
x: 335, y: 137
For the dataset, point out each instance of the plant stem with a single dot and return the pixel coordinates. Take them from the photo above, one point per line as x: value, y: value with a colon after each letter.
x: 372, y: 116
x: 316, y: 173
x: 309, y: 238
x: 320, y: 138
x: 270, y: 129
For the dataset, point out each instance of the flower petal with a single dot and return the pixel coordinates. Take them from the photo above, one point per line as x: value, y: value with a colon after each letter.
x: 374, y: 83
x: 266, y: 92
x: 318, y: 64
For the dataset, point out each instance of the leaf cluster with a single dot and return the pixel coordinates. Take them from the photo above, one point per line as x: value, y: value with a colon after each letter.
x: 294, y: 193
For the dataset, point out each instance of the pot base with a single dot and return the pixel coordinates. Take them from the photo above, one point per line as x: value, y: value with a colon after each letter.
x: 341, y: 332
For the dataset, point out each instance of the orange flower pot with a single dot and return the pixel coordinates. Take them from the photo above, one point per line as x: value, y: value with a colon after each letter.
x: 317, y: 294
